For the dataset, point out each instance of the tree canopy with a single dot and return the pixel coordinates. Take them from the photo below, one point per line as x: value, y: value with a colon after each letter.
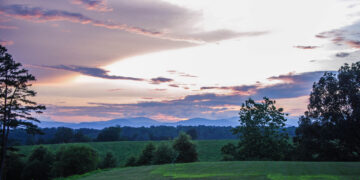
x: 329, y: 129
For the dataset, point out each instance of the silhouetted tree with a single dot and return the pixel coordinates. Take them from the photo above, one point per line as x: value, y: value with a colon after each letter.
x: 63, y: 135
x: 16, y: 109
x: 329, y: 129
x: 109, y: 161
x: 192, y: 133
x: 109, y: 134
x: 186, y: 150
x: 80, y: 137
x: 147, y: 155
x: 261, y: 131
x: 164, y: 154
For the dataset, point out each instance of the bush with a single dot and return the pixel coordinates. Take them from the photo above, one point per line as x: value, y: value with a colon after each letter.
x: 14, y: 166
x: 131, y: 161
x: 229, y: 152
x: 164, y: 154
x: 108, y: 162
x: 39, y: 165
x: 74, y: 159
x: 147, y: 155
x: 185, y: 148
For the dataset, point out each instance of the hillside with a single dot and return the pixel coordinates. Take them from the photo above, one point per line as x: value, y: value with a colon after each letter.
x: 209, y: 150
x: 233, y: 170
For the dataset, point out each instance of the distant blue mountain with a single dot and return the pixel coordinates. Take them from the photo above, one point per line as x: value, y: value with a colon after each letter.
x: 147, y: 122
x: 139, y: 122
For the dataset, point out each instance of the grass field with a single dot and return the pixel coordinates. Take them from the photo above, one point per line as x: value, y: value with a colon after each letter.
x: 209, y: 150
x: 254, y: 170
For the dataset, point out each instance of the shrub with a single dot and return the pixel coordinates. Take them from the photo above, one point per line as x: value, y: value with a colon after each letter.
x: 164, y: 154
x: 131, y: 161
x: 147, y: 155
x: 109, y: 161
x: 14, y: 166
x: 39, y: 165
x: 185, y: 148
x: 74, y: 159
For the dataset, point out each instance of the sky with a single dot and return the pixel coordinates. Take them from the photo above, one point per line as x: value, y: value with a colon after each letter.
x: 169, y: 60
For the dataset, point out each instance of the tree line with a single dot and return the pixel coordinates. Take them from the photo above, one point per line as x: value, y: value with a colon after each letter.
x: 328, y: 130
x: 67, y: 135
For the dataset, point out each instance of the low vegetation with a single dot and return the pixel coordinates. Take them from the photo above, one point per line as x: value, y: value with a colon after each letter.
x: 254, y: 170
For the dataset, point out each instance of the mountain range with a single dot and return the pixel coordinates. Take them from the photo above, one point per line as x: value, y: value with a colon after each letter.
x: 141, y: 122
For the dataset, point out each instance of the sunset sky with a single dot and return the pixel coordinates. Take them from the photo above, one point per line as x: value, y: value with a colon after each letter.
x: 171, y: 60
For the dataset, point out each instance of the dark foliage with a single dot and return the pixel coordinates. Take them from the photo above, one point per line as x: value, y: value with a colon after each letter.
x: 329, y: 130
x: 109, y: 161
x: 147, y: 155
x: 164, y: 154
x: 192, y: 133
x: 63, y: 135
x: 16, y: 108
x: 109, y: 134
x: 185, y: 149
x: 39, y: 165
x: 131, y: 161
x: 262, y: 133
x: 15, y: 166
x: 74, y: 159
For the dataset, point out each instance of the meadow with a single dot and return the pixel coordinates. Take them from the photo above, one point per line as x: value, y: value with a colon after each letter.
x: 208, y: 150
x: 255, y: 170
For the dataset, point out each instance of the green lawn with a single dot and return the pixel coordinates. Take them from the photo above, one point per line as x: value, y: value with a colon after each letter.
x: 233, y: 170
x: 208, y: 150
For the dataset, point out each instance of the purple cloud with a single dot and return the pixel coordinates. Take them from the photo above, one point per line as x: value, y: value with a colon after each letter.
x: 90, y: 71
x: 159, y: 80
x: 95, y: 5
x: 43, y: 15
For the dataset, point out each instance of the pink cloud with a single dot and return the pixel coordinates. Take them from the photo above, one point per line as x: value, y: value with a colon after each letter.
x: 94, y: 5
x: 6, y: 43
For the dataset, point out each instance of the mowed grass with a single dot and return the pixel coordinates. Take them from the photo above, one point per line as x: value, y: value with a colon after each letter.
x: 254, y: 170
x: 208, y: 150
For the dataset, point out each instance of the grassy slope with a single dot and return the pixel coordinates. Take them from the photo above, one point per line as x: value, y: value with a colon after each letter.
x: 233, y: 170
x: 209, y: 150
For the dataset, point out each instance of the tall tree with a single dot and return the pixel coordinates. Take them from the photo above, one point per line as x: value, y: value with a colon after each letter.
x: 16, y: 109
x: 262, y: 133
x: 329, y: 129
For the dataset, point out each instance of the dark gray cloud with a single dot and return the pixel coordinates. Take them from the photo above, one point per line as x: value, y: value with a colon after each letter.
x: 342, y: 54
x: 306, y: 47
x: 91, y: 71
x: 160, y: 80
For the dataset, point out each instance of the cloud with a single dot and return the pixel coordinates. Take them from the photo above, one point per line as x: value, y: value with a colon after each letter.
x: 8, y: 27
x: 306, y: 47
x: 90, y: 71
x: 95, y: 5
x: 182, y: 74
x: 6, y: 43
x: 342, y: 54
x: 43, y: 15
x: 159, y: 80
x: 354, y: 44
x: 291, y: 89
